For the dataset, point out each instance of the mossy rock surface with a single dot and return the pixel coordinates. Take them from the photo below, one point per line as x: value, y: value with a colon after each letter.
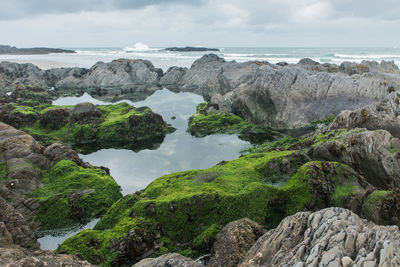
x: 118, y: 125
x: 191, y: 207
x: 204, y: 123
x: 71, y: 194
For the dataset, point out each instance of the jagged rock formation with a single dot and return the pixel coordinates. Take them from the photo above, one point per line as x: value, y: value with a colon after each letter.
x: 170, y: 260
x: 280, y: 95
x: 330, y: 237
x: 287, y: 96
x: 374, y: 154
x: 233, y: 242
x: 383, y: 115
x: 18, y: 257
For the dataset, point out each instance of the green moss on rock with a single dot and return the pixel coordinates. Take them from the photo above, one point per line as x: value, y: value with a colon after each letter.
x: 71, y: 193
x: 3, y: 172
x: 204, y: 123
x: 190, y: 207
x: 118, y: 125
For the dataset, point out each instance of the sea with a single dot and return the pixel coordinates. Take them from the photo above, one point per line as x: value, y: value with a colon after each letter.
x: 87, y: 57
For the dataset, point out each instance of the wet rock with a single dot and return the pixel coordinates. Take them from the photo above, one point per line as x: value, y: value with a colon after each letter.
x: 373, y: 154
x: 233, y: 242
x: 54, y: 118
x: 383, y: 115
x: 170, y: 260
x: 17, y: 117
x: 85, y: 113
x: 328, y: 237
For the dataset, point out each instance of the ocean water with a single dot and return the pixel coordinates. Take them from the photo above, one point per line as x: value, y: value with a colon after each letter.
x: 86, y: 57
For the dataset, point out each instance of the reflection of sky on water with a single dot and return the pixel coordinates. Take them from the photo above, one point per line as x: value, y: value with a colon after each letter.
x: 179, y: 151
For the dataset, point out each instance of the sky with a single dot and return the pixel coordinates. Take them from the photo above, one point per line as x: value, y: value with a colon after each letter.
x: 222, y: 23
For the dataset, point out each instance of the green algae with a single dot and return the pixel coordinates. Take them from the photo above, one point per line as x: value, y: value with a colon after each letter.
x: 121, y: 125
x: 71, y: 193
x: 191, y: 207
x: 204, y: 123
x: 3, y: 172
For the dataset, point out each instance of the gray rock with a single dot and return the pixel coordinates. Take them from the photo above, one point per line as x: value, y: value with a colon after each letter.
x: 85, y: 113
x: 14, y: 228
x: 19, y: 257
x: 373, y: 154
x: 286, y: 96
x: 383, y: 115
x: 233, y: 242
x: 173, y: 78
x: 326, y: 238
x: 168, y: 260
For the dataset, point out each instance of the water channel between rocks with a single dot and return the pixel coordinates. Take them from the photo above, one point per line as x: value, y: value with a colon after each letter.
x: 179, y: 151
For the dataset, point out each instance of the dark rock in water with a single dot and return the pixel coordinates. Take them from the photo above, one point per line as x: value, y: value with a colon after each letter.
x: 233, y: 242
x: 374, y: 154
x: 170, y: 260
x: 383, y: 115
x: 6, y: 49
x: 85, y: 113
x: 330, y: 237
x: 55, y: 118
x: 190, y: 49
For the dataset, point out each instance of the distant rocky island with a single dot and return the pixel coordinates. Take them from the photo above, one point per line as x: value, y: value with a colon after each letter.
x: 7, y: 49
x: 190, y: 49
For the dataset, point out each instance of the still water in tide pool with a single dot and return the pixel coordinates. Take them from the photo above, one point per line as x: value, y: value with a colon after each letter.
x: 179, y: 151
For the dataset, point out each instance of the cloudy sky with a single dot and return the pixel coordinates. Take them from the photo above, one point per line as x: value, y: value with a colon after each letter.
x: 100, y: 23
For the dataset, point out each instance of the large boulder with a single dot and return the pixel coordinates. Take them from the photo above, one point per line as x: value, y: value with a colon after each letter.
x: 289, y: 95
x: 330, y: 237
x: 373, y: 154
x: 55, y: 118
x: 233, y: 242
x: 383, y: 115
x: 85, y: 113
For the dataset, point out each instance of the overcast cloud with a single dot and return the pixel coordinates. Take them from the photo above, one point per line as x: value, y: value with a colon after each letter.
x: 78, y: 23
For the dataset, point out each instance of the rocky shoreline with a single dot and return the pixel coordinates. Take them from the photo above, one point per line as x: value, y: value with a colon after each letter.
x: 327, y: 195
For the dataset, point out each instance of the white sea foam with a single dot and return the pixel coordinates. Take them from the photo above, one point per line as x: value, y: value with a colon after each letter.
x: 139, y: 47
x: 365, y: 57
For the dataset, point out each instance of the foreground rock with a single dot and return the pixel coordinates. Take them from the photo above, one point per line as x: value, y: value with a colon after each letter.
x: 330, y: 237
x: 18, y: 257
x: 170, y: 260
x: 49, y: 187
x: 233, y: 242
x: 383, y: 115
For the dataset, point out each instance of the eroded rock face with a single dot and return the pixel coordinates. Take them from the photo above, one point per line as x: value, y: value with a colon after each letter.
x: 14, y: 229
x: 329, y: 237
x: 17, y: 144
x: 373, y: 154
x: 233, y: 242
x: 18, y: 257
x: 170, y: 260
x: 383, y: 115
x: 290, y: 95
